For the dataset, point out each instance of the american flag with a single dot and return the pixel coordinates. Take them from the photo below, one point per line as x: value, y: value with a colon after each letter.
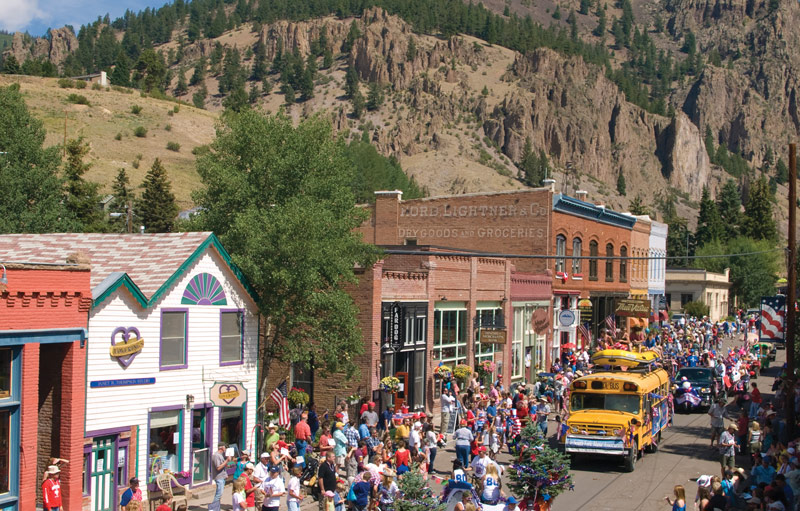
x: 773, y: 312
x: 281, y: 397
x: 611, y: 322
x: 587, y: 335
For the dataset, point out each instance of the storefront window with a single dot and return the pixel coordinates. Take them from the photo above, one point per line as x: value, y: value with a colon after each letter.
x: 5, y: 453
x: 230, y: 337
x: 230, y: 427
x: 165, y: 441
x: 517, y: 362
x: 5, y: 373
x: 486, y: 351
x: 173, y: 339
x: 450, y: 337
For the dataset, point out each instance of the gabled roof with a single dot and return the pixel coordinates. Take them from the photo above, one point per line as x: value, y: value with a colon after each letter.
x: 146, y: 264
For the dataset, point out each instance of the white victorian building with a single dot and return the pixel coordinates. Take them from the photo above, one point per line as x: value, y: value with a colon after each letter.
x: 171, y: 355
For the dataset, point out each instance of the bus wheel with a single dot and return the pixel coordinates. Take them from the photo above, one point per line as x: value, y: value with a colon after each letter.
x: 630, y: 459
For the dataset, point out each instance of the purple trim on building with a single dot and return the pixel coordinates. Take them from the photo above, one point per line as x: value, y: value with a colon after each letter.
x: 107, y: 432
x: 87, y: 449
x: 241, y: 338
x: 185, y: 364
x: 243, y: 444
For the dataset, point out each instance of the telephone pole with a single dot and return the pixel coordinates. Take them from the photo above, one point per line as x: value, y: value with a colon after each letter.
x: 791, y: 291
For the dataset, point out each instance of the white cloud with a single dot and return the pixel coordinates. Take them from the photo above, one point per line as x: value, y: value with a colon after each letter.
x: 18, y: 14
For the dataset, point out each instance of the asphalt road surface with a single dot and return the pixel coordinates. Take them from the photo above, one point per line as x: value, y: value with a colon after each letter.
x: 684, y: 454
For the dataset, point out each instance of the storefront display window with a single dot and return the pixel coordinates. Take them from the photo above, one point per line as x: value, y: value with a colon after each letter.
x: 5, y: 452
x: 165, y: 441
x: 173, y: 339
x: 230, y: 427
x: 517, y: 362
x: 450, y: 336
x: 486, y: 351
x: 231, y: 329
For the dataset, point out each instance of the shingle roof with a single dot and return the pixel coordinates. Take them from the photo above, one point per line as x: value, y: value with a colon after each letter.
x: 148, y: 259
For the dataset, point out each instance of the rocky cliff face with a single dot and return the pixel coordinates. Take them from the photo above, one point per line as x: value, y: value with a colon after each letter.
x: 60, y: 44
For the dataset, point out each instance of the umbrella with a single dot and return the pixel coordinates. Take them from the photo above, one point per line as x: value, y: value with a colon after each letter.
x: 568, y: 346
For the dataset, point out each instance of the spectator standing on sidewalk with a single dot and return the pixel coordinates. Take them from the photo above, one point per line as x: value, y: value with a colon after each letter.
x: 302, y: 436
x: 448, y: 407
x: 219, y: 463
x: 274, y: 490
x: 326, y: 477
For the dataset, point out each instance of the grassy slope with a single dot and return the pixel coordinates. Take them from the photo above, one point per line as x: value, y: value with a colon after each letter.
x: 109, y: 114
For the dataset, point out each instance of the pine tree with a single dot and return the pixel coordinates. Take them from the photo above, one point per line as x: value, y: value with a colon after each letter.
x: 288, y: 94
x: 157, y: 208
x: 729, y: 203
x: 219, y: 25
x: 600, y: 29
x: 123, y: 199
x: 307, y: 84
x: 585, y: 6
x: 758, y: 222
x: 182, y: 87
x: 415, y: 494
x: 557, y: 13
x: 350, y: 82
x: 199, y: 75
x: 199, y: 97
x: 637, y: 207
x: 266, y: 86
x: 572, y: 20
x: 358, y: 103
x: 530, y: 165
x: 411, y: 51
x: 260, y: 64
x: 327, y: 58
x: 351, y: 38
x: 781, y: 172
x: 709, y: 223
x: 709, y: 142
x: 541, y: 473
x: 621, y: 183
x: 82, y: 198
x: 121, y: 75
x: 374, y: 96
x: 11, y: 65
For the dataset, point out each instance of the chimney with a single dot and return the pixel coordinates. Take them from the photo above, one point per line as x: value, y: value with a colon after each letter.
x: 549, y: 183
x: 581, y: 195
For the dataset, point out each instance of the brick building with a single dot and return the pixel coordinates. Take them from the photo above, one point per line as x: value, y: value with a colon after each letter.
x: 582, y: 228
x: 43, y: 321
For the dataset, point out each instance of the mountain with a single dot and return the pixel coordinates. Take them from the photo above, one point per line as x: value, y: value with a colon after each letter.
x: 669, y: 97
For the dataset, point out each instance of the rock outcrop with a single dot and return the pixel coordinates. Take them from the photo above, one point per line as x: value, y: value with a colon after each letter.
x: 55, y: 48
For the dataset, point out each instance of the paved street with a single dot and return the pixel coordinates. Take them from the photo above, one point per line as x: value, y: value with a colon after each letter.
x: 602, y: 484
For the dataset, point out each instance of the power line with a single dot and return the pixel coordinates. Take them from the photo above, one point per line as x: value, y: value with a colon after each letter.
x: 394, y: 251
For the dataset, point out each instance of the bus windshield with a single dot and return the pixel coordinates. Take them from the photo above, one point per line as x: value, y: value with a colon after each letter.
x: 618, y: 402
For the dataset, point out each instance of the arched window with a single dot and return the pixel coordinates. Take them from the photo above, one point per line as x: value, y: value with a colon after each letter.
x: 561, y: 251
x: 577, y: 251
x: 623, y: 264
x: 609, y: 263
x: 593, y: 262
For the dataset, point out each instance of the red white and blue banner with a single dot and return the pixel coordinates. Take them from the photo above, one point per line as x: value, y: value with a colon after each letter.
x: 773, y: 315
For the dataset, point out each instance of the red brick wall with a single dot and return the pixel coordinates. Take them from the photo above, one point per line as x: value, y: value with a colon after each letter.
x: 29, y: 477
x: 45, y: 299
x: 73, y: 408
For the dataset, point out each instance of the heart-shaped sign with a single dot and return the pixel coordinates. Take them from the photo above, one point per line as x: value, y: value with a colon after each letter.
x: 129, y: 345
x: 228, y: 393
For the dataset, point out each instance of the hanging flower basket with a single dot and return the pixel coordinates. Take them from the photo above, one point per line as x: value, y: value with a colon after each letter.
x: 487, y: 367
x: 462, y: 371
x: 353, y: 399
x: 390, y: 384
x: 444, y: 372
x: 298, y: 397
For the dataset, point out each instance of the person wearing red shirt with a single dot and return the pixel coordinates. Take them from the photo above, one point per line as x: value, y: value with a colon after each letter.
x: 166, y: 503
x: 51, y: 489
x: 755, y: 400
x: 302, y: 436
x: 249, y: 489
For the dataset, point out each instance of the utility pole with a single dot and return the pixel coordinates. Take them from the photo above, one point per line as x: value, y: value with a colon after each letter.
x: 65, y: 133
x: 791, y: 292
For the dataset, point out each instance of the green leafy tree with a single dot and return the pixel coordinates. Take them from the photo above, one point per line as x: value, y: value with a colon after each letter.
x: 81, y: 197
x: 157, y: 208
x: 753, y: 275
x: 374, y: 96
x: 621, y: 188
x: 696, y: 309
x: 122, y: 202
x: 729, y: 203
x: 121, y: 75
x: 541, y: 473
x: 758, y: 222
x: 292, y: 233
x: 32, y: 190
x: 637, y: 207
x: 709, y: 223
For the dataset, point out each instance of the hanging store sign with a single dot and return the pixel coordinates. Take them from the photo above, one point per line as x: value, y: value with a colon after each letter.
x: 540, y: 319
x: 493, y: 336
x: 631, y: 308
x: 585, y: 308
x: 566, y: 318
x: 396, y: 326
x: 126, y: 343
x: 231, y: 394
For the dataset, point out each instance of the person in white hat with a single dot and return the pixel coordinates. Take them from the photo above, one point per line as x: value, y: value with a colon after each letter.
x: 51, y: 489
x: 261, y: 471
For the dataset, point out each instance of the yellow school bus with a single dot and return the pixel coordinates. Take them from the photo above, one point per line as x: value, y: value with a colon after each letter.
x: 618, y: 413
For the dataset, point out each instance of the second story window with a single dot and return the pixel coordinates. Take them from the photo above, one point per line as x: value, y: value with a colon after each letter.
x: 561, y: 251
x: 609, y: 262
x: 593, y: 262
x: 623, y: 264
x: 577, y: 250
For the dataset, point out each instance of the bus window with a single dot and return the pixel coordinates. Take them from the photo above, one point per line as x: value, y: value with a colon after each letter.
x: 618, y: 402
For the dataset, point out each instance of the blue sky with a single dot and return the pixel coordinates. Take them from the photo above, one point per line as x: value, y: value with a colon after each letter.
x: 36, y: 16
